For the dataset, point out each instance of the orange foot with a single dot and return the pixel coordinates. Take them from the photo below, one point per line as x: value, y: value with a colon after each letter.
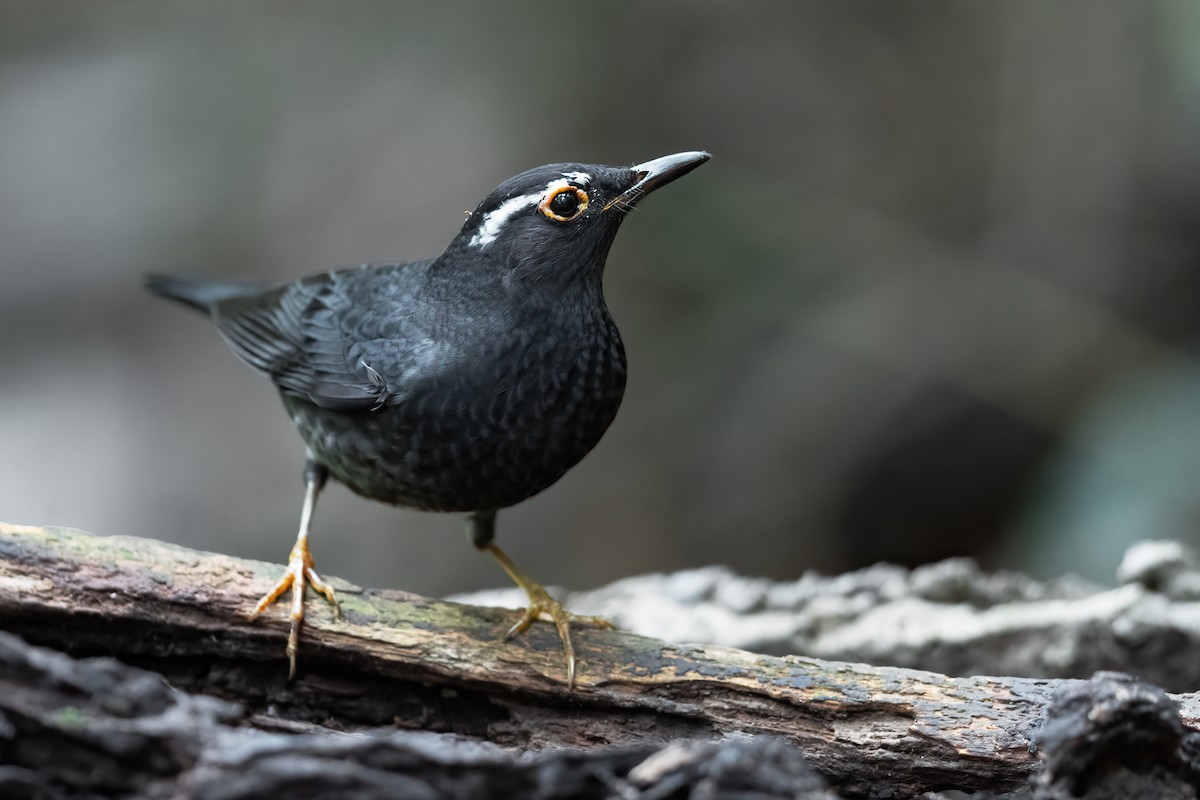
x: 543, y: 606
x: 297, y: 577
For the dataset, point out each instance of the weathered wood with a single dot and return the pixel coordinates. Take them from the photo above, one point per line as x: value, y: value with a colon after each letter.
x: 417, y: 663
x: 96, y: 728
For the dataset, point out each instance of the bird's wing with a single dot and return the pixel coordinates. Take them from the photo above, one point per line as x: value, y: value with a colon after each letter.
x: 314, y: 338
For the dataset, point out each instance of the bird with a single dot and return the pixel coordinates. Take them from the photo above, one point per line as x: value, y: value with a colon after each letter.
x: 463, y: 383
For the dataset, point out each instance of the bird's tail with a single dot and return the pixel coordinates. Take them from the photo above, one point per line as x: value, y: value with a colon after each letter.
x: 201, y: 295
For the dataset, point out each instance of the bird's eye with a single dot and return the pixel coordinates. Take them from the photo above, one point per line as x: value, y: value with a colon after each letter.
x: 564, y: 203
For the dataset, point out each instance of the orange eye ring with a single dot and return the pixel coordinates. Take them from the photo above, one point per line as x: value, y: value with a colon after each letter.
x: 564, y: 203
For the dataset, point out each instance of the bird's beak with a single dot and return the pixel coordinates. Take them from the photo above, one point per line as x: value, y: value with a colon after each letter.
x: 659, y: 172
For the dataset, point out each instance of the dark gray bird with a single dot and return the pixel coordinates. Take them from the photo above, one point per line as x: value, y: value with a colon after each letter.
x: 467, y: 382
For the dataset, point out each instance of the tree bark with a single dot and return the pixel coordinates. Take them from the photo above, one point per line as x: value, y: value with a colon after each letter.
x: 413, y: 663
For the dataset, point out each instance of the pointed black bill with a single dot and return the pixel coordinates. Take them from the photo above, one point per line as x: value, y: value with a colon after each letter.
x: 661, y: 171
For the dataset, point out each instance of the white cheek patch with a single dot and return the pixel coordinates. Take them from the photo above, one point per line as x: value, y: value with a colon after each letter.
x: 494, y: 221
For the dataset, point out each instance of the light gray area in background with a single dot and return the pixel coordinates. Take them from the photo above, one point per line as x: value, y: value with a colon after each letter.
x: 948, y: 617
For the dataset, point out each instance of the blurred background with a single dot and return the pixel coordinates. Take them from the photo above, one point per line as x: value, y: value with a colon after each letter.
x: 937, y: 293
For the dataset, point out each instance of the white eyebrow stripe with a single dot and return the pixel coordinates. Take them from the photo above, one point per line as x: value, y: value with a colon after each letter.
x: 494, y: 221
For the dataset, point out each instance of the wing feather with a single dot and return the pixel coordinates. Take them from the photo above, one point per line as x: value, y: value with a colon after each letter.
x: 301, y: 336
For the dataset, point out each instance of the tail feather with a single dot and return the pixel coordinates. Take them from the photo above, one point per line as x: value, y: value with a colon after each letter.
x: 201, y: 295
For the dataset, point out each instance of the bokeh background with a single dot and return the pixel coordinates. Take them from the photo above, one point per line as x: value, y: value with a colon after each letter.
x: 937, y: 293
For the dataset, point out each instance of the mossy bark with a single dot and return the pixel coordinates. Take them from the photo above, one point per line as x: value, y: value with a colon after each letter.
x: 417, y: 663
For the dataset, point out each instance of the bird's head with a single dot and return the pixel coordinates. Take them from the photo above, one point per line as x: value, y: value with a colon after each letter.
x: 556, y: 222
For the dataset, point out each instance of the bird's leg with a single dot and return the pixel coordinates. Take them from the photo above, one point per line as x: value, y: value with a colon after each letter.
x: 481, y: 528
x: 300, y: 572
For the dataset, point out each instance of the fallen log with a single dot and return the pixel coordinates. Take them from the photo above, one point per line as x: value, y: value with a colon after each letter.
x: 417, y: 664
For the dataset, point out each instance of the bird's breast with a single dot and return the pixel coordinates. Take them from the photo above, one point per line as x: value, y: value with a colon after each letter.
x: 510, y: 417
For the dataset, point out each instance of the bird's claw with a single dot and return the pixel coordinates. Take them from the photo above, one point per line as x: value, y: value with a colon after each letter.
x: 298, y: 576
x: 543, y: 606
